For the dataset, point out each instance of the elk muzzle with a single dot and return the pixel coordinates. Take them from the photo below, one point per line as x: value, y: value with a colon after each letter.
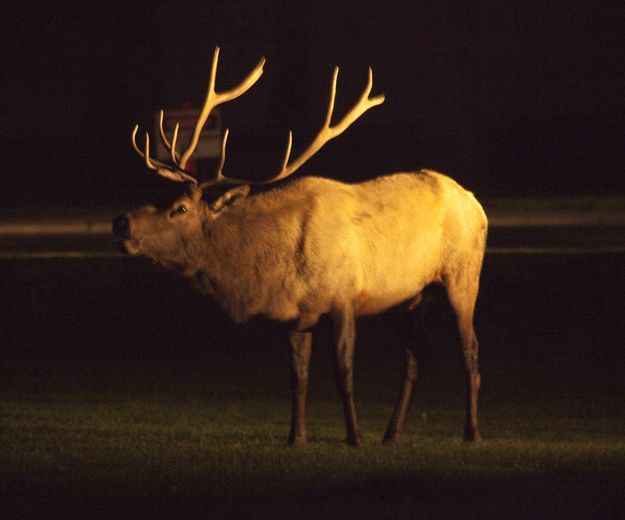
x: 121, y: 227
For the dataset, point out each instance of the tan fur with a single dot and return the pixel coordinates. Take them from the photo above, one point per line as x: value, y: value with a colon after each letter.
x: 317, y: 246
x: 297, y: 250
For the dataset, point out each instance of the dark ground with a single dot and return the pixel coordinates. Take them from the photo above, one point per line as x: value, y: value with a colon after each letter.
x: 119, y: 307
x: 549, y: 325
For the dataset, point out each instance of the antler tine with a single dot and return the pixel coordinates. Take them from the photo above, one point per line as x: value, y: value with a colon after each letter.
x: 152, y: 164
x: 287, y: 154
x: 146, y: 154
x: 148, y: 161
x: 335, y: 77
x: 214, y: 98
x: 171, y: 147
x: 222, y: 159
x: 164, y: 170
x: 176, y: 170
x: 219, y: 177
x: 361, y: 106
x: 327, y: 131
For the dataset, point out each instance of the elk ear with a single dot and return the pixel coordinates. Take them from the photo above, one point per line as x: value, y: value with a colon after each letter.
x: 231, y: 198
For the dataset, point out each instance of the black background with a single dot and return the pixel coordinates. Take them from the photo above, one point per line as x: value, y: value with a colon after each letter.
x: 509, y: 98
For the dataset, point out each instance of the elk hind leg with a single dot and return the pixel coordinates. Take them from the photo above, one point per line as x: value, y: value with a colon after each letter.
x: 414, y: 358
x: 300, y: 361
x: 398, y: 419
x: 345, y: 333
x: 462, y: 297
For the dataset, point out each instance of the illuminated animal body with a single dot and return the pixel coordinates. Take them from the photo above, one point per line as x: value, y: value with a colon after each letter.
x: 317, y: 246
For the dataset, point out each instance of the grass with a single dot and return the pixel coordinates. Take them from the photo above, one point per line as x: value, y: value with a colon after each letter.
x: 111, y: 449
x: 123, y: 395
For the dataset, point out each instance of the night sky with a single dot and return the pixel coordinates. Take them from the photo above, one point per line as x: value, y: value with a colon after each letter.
x: 510, y: 98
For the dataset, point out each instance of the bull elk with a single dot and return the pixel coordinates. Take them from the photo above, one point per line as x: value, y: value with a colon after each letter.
x: 316, y: 246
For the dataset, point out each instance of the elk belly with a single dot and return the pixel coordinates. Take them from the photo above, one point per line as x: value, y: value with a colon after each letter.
x: 367, y: 304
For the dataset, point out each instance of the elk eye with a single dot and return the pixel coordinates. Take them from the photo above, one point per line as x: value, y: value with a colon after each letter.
x: 179, y: 211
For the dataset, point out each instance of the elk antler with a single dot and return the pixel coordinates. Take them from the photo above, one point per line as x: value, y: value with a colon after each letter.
x: 176, y: 169
x: 324, y: 135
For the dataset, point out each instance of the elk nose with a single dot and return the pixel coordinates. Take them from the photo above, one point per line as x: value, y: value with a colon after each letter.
x: 121, y: 226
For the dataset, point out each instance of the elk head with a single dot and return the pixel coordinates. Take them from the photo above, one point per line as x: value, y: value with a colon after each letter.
x: 170, y: 235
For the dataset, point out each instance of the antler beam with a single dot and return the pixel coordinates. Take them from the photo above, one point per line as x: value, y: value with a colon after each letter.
x: 325, y: 134
x: 329, y: 132
x: 214, y: 98
x: 176, y: 169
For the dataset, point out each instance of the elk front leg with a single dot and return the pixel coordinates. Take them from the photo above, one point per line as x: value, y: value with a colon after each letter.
x: 300, y: 360
x: 345, y: 330
x: 398, y: 420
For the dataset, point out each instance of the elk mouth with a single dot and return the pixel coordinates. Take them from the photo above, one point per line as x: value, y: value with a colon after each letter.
x: 121, y: 229
x: 130, y: 246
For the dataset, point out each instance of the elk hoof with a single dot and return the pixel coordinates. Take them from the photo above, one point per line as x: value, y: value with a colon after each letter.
x: 354, y: 441
x: 473, y: 437
x: 297, y: 441
x: 391, y: 436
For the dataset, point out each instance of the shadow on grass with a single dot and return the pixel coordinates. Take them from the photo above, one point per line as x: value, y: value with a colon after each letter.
x: 562, y: 494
